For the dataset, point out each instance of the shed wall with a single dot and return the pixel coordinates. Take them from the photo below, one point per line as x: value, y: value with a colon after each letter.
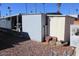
x: 68, y: 20
x: 57, y: 27
x: 32, y: 25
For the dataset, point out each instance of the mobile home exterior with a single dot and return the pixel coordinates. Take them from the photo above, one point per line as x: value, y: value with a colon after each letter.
x: 12, y: 22
x: 5, y: 23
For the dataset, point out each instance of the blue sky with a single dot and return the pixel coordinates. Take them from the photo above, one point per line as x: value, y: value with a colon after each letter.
x: 66, y: 8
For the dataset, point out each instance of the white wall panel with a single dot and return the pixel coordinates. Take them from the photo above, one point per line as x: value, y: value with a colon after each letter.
x: 32, y: 25
x: 5, y: 23
x: 57, y: 27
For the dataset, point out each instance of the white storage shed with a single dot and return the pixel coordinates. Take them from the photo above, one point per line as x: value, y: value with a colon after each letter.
x: 34, y: 24
x: 60, y: 26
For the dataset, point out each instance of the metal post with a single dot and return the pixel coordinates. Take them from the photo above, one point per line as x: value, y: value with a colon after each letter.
x: 35, y: 8
x: 76, y: 11
x: 0, y: 13
x: 18, y: 29
x: 17, y: 24
x: 26, y: 7
x: 59, y: 5
x: 9, y: 8
x: 44, y: 7
x: 0, y: 10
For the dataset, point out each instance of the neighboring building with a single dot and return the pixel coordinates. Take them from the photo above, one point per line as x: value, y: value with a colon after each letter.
x: 38, y: 26
x: 76, y: 21
x: 13, y: 22
x: 74, y: 36
x: 74, y: 33
x: 74, y: 15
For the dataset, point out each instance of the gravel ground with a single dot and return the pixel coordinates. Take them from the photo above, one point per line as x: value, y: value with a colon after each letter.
x: 33, y: 48
x: 13, y: 45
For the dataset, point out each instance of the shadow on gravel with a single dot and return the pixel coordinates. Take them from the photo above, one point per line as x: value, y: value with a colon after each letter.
x: 9, y: 38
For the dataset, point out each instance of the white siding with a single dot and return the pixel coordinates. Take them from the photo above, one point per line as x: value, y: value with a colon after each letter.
x: 5, y: 23
x: 32, y: 25
x: 74, y: 39
x: 57, y: 27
